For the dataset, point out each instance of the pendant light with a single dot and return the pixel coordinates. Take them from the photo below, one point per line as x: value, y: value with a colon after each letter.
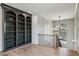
x: 58, y: 25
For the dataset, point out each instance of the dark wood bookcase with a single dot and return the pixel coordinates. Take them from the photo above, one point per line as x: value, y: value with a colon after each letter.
x: 17, y: 27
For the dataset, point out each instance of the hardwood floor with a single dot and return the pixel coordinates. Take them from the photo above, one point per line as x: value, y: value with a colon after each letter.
x: 35, y: 50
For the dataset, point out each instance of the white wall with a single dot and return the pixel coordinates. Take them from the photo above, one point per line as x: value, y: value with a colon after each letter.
x: 75, y: 32
x: 70, y: 34
x: 0, y: 28
x: 76, y: 28
x: 45, y: 28
x: 45, y: 25
x: 35, y: 29
x: 40, y: 25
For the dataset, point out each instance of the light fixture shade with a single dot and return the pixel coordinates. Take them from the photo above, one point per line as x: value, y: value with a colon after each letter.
x: 57, y: 26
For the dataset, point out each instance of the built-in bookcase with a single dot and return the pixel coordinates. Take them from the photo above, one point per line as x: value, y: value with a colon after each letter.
x: 28, y: 31
x: 10, y: 32
x: 21, y: 29
x: 17, y: 27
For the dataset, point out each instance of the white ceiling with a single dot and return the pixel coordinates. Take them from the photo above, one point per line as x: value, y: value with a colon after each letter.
x: 48, y: 10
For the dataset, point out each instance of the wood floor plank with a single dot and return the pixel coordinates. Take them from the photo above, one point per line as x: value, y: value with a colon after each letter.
x: 36, y: 50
